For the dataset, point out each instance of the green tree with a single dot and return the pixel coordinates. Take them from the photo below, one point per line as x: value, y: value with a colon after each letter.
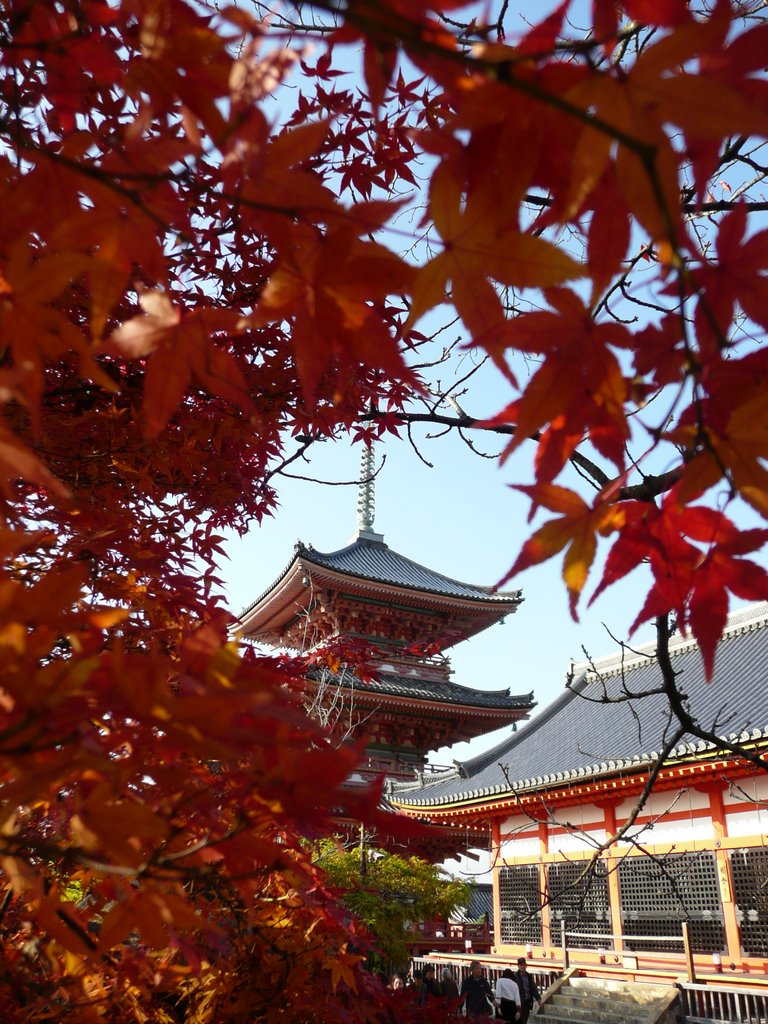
x: 387, y: 893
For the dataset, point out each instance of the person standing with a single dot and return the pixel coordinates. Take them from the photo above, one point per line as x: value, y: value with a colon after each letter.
x: 528, y: 989
x: 476, y: 992
x: 507, y: 996
x: 430, y: 987
x: 450, y: 988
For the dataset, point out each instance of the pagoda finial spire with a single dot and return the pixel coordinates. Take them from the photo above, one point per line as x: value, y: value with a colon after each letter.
x: 366, y: 505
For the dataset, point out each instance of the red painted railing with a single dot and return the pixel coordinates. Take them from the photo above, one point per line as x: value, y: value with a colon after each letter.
x: 448, y: 937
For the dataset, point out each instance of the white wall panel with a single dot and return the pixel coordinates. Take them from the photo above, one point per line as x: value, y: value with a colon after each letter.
x: 682, y: 832
x: 746, y: 823
x: 576, y: 842
x: 520, y: 848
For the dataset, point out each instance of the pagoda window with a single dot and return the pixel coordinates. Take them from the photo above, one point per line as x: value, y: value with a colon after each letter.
x: 578, y: 895
x: 658, y: 894
x: 520, y: 903
x: 749, y: 870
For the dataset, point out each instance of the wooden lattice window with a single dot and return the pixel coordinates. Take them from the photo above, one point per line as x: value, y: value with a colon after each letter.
x: 578, y: 895
x: 749, y: 869
x: 521, y: 901
x: 658, y: 894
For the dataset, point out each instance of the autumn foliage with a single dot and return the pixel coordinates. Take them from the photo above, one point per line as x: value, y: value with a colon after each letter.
x: 221, y: 242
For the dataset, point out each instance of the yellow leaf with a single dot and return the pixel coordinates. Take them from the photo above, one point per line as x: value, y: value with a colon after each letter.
x: 342, y: 968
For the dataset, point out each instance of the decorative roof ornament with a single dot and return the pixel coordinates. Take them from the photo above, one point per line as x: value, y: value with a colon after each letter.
x: 366, y: 495
x: 366, y: 504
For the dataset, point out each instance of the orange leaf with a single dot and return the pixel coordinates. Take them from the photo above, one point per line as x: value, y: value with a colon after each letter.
x: 17, y: 462
x: 476, y: 247
x: 576, y: 530
x: 180, y: 345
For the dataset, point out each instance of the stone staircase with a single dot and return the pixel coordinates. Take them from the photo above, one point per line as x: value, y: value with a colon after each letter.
x: 575, y: 1000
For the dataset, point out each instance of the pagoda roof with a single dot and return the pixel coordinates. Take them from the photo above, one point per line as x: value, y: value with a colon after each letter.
x: 439, y: 691
x: 368, y: 566
x: 374, y: 560
x: 580, y: 737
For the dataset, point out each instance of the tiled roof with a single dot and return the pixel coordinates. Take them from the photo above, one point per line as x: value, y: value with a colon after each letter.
x: 579, y: 736
x: 480, y: 904
x: 439, y: 690
x: 374, y: 560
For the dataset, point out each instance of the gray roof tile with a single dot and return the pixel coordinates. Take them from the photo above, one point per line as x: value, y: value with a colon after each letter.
x: 576, y: 737
x: 440, y: 691
x: 480, y: 903
x: 374, y: 560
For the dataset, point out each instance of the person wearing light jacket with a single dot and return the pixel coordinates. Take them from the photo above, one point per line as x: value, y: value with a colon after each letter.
x: 508, y: 996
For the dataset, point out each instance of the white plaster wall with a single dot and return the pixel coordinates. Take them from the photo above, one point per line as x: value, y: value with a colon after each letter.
x: 746, y: 807
x: 520, y: 848
x: 519, y: 837
x: 664, y: 803
x: 516, y: 823
x: 681, y: 832
x: 744, y: 790
x: 576, y: 842
x: 746, y: 823
x: 579, y: 816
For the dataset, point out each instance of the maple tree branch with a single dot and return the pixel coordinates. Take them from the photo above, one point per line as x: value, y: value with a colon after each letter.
x: 651, y: 486
x: 108, y: 180
x: 724, y: 205
x: 415, y: 447
x: 77, y: 929
x: 325, y: 482
x: 7, y: 897
x: 686, y: 205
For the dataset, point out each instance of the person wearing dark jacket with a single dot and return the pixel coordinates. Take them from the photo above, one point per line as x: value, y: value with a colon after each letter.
x: 430, y: 987
x: 476, y: 993
x: 526, y: 986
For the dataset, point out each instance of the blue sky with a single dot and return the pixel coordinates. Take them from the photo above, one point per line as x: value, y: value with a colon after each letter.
x: 460, y: 518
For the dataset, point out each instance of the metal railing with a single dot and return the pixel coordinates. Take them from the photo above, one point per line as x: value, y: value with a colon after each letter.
x: 716, y: 1004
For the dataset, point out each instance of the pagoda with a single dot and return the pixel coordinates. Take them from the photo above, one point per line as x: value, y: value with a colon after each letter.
x: 405, y: 616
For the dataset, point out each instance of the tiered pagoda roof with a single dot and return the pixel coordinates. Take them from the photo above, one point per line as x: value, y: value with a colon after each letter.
x: 370, y: 558
x: 446, y: 692
x: 442, y: 611
x: 402, y: 609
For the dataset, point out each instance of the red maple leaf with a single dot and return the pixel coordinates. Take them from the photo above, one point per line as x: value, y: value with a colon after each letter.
x: 579, y: 388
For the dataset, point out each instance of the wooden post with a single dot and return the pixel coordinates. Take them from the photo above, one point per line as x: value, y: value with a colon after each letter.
x: 730, y: 920
x: 612, y: 871
x: 688, y: 953
x: 564, y: 942
x: 363, y: 856
x: 496, y: 863
x: 545, y: 909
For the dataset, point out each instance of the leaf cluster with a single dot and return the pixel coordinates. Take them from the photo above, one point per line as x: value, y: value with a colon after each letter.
x: 390, y: 893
